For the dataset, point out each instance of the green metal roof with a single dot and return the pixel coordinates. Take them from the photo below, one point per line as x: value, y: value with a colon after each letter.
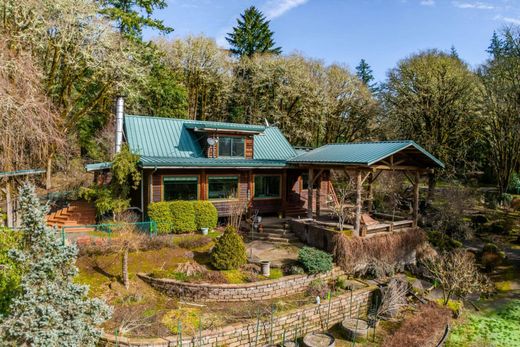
x: 172, y: 142
x: 98, y: 166
x: 158, y: 162
x: 223, y: 126
x: 360, y: 153
x: 22, y: 172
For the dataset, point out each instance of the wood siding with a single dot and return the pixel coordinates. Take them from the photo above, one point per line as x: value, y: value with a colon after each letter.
x: 292, y: 194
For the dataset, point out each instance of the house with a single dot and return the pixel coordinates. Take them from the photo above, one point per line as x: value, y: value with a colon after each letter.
x: 227, y: 162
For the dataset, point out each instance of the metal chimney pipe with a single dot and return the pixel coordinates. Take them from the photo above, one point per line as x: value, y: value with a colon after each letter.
x: 120, y: 109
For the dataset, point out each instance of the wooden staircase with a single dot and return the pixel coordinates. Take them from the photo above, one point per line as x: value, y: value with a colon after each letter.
x: 76, y: 214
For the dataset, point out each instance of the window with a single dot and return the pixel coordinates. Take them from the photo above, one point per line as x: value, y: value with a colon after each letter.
x: 267, y: 186
x: 222, y: 187
x: 231, y: 147
x: 180, y: 188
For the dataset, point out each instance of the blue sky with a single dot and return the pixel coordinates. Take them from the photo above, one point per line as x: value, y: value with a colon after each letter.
x: 344, y: 31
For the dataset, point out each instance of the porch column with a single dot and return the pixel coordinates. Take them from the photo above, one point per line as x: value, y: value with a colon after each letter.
x: 284, y: 192
x: 318, y: 192
x: 416, y: 198
x: 370, y: 204
x: 359, y: 188
x: 9, y: 204
x: 309, y: 193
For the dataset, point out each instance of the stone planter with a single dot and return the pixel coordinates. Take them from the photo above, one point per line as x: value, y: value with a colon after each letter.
x: 354, y: 328
x: 319, y: 340
x: 204, y: 231
x: 266, y: 267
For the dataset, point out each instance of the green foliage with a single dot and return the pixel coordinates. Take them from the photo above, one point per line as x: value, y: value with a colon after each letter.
x: 131, y: 16
x: 183, y: 216
x: 51, y: 310
x: 11, y: 272
x: 206, y: 215
x: 229, y: 252
x: 514, y: 183
x: 125, y: 178
x: 442, y: 242
x: 499, y: 76
x: 365, y: 74
x: 433, y: 98
x: 314, y: 261
x: 252, y: 35
x: 160, y: 213
x: 497, y: 328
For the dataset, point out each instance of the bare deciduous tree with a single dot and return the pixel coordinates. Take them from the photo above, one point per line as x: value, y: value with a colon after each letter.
x: 456, y: 273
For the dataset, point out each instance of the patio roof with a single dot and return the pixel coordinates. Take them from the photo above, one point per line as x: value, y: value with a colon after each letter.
x: 401, y: 153
x: 22, y: 172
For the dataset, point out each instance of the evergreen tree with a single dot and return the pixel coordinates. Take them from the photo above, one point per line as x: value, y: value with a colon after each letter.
x: 365, y: 74
x: 52, y: 310
x: 129, y: 16
x: 495, y: 47
x: 252, y: 35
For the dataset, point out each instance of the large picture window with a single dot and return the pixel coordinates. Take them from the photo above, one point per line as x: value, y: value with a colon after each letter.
x: 267, y: 186
x: 222, y: 187
x: 231, y: 146
x: 180, y: 188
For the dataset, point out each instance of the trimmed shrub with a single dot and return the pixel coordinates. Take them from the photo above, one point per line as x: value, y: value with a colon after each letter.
x: 314, y: 261
x: 160, y: 213
x: 206, y: 215
x: 229, y: 252
x: 183, y: 216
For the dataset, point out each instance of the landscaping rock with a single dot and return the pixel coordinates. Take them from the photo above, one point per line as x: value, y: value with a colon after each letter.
x: 319, y: 340
x: 354, y: 328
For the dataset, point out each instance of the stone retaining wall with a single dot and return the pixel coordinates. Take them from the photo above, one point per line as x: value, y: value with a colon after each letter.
x: 261, y: 290
x: 295, y: 323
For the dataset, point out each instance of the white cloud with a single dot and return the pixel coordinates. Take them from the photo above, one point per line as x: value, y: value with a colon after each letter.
x: 277, y: 8
x: 511, y: 20
x: 427, y: 2
x: 473, y: 5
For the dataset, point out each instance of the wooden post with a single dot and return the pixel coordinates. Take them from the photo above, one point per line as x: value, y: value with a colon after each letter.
x: 318, y: 192
x: 359, y: 188
x: 416, y: 198
x: 9, y: 204
x: 370, y: 204
x: 284, y: 192
x: 309, y: 193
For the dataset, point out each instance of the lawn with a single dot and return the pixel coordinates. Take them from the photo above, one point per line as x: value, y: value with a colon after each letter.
x: 496, y: 327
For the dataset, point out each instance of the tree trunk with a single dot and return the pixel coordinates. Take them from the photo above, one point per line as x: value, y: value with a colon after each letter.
x: 48, y: 181
x: 125, y: 268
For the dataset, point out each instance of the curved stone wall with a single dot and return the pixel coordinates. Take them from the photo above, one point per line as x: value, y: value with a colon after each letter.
x: 292, y: 324
x: 261, y: 290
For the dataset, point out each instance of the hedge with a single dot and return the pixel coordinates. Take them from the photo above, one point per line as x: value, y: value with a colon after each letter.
x: 183, y: 215
x: 160, y: 213
x: 206, y: 215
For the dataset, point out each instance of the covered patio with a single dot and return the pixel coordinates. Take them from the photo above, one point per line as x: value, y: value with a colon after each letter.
x: 364, y: 162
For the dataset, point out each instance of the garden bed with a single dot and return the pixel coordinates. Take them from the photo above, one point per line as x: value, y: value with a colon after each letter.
x: 260, y: 290
x: 255, y: 323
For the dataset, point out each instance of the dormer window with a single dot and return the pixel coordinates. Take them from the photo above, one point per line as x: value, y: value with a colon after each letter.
x: 231, y: 146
